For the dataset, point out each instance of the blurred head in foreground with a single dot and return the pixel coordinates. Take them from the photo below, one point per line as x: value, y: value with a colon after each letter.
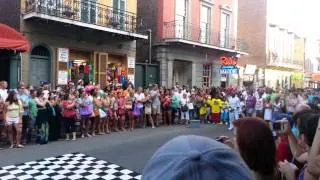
x: 195, y: 158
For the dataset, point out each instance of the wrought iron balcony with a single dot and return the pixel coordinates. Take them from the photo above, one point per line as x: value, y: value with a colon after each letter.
x: 200, y: 34
x: 85, y: 11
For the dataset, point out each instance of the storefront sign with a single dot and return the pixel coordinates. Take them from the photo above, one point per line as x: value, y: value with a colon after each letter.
x: 250, y: 69
x: 229, y: 71
x: 228, y: 65
x: 225, y: 61
x: 63, y: 54
x: 131, y: 62
x: 131, y: 78
x: 63, y: 77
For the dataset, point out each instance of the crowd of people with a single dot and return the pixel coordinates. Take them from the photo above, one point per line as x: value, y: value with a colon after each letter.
x: 276, y: 131
x: 277, y: 136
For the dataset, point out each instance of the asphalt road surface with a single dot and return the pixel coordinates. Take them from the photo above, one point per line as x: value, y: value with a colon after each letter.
x: 128, y: 149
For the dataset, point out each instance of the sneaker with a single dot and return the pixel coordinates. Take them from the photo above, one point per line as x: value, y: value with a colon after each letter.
x: 230, y: 129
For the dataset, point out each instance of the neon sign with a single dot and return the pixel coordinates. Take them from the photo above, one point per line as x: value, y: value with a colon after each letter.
x: 225, y: 61
x: 228, y: 65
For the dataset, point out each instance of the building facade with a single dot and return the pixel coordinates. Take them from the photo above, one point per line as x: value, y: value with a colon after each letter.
x: 275, y: 50
x: 79, y: 39
x: 190, y: 37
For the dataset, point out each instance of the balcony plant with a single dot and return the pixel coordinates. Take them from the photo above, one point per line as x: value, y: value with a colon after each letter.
x: 67, y: 11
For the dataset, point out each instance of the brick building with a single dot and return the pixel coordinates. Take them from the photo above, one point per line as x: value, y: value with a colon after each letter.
x: 275, y: 51
x: 189, y: 38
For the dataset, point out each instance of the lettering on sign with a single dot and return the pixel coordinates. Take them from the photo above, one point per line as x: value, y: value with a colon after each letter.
x: 63, y: 54
x: 225, y: 61
x: 229, y: 71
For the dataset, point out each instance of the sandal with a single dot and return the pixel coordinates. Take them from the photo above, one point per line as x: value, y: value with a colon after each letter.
x: 11, y: 147
x: 20, y: 146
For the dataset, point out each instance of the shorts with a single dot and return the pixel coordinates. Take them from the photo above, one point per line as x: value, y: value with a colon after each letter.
x: 147, y: 110
x: 156, y: 109
x: 13, y: 121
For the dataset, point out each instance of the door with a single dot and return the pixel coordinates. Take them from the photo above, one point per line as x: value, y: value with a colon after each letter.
x: 204, y: 23
x: 181, y: 18
x: 153, y: 74
x: 40, y: 66
x: 140, y: 75
x: 100, y: 68
x: 119, y: 13
x: 224, y: 30
x: 88, y: 11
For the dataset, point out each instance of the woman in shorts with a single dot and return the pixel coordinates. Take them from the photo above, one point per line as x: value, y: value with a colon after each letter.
x: 13, y: 111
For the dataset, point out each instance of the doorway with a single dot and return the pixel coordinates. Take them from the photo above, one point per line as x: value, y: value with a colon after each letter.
x: 182, y: 73
x: 40, y: 65
x: 4, y: 65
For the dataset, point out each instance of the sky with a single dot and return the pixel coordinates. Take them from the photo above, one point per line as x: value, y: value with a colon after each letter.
x: 301, y: 16
x: 306, y: 23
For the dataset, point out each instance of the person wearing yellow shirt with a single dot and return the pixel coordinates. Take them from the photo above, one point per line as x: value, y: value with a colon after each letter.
x: 215, y: 110
x: 208, y: 103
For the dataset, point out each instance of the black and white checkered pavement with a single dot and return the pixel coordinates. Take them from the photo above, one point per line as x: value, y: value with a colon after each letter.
x: 68, y: 166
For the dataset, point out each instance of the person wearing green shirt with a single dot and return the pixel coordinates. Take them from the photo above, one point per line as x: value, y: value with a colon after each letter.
x: 33, y: 110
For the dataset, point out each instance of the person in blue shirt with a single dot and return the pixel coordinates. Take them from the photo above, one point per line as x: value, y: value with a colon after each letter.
x: 24, y: 97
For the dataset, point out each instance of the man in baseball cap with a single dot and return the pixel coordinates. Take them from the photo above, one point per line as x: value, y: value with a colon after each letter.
x: 195, y: 158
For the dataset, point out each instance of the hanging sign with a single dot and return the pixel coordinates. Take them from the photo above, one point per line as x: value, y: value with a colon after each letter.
x: 131, y: 62
x: 63, y: 54
x: 63, y: 77
x: 228, y: 65
x: 131, y: 78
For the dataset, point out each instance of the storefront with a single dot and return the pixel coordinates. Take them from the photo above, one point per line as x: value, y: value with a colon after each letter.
x: 94, y: 67
x: 229, y: 71
x: 12, y: 43
x: 278, y: 78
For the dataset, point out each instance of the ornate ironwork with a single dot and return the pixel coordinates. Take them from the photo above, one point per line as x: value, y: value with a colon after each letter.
x: 85, y: 11
x: 200, y: 34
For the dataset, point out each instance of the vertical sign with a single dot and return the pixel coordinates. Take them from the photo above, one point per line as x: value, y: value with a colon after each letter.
x: 131, y: 62
x: 63, y: 54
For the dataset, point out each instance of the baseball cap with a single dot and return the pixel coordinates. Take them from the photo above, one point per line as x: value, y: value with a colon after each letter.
x: 193, y: 157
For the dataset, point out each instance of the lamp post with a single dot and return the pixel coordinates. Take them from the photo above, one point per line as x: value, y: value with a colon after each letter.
x: 149, y: 57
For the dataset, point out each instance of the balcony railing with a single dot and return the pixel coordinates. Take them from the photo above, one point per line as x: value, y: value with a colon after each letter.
x: 274, y: 60
x: 200, y: 34
x: 86, y: 12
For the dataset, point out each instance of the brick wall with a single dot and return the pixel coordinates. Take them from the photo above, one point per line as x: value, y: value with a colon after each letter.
x: 10, y: 13
x: 252, y: 30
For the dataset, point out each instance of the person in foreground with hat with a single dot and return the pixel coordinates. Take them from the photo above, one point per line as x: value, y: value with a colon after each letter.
x: 195, y: 158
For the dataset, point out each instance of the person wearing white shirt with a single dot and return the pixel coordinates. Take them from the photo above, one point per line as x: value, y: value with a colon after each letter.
x: 139, y: 99
x: 4, y: 90
x: 234, y: 105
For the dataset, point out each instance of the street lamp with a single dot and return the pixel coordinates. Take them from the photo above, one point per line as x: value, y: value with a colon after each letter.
x: 149, y: 58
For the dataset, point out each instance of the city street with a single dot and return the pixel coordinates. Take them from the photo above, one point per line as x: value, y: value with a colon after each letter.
x: 131, y: 150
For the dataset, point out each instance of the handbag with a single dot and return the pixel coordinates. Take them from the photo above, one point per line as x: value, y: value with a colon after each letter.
x: 102, y: 114
x: 85, y: 111
x: 184, y: 108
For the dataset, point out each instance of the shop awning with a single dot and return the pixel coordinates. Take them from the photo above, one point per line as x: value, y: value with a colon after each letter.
x: 10, y: 39
x: 315, y: 77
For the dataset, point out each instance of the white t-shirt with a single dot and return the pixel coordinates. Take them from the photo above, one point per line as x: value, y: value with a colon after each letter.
x: 4, y: 94
x: 234, y: 102
x: 139, y: 97
x: 183, y: 101
x: 259, y: 104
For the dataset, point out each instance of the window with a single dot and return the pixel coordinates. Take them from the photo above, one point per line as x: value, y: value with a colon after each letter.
x: 206, y: 75
x: 181, y: 18
x: 224, y: 29
x: 205, y: 17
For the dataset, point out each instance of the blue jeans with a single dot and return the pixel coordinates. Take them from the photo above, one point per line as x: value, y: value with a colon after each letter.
x: 191, y: 114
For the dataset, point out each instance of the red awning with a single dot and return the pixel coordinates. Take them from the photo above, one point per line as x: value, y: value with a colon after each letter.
x: 315, y: 77
x: 11, y: 39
